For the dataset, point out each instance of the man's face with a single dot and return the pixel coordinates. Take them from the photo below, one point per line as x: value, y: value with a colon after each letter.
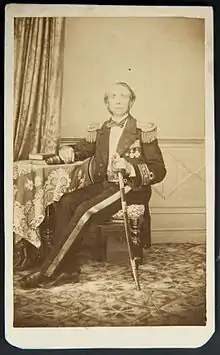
x: 119, y: 101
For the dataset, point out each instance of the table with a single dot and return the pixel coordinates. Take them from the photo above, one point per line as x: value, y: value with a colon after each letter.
x: 36, y: 186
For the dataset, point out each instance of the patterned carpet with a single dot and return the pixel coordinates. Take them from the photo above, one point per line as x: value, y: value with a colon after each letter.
x: 173, y: 293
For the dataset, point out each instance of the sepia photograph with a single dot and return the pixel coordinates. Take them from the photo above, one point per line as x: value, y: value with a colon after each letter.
x: 111, y: 138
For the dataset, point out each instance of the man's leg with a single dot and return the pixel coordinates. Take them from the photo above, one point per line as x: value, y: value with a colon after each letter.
x: 64, y: 209
x: 133, y: 197
x: 145, y: 232
x: 61, y: 213
x: 74, y: 231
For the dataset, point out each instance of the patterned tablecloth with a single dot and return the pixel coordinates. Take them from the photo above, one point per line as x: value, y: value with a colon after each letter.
x: 36, y: 186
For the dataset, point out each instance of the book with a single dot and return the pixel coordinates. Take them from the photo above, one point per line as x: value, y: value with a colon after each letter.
x: 38, y: 162
x: 53, y: 160
x: 40, y: 156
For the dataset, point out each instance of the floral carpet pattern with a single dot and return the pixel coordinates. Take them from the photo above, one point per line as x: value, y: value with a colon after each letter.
x: 172, y: 293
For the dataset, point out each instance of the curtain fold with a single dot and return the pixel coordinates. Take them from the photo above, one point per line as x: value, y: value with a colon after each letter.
x: 38, y: 61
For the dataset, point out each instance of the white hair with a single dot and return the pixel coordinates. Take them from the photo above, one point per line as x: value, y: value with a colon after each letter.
x: 122, y: 83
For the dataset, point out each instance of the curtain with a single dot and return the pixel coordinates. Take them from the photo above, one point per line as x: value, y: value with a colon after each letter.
x: 38, y: 50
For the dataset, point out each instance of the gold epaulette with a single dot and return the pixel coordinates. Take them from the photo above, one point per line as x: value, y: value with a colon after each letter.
x: 148, y: 132
x: 92, y: 132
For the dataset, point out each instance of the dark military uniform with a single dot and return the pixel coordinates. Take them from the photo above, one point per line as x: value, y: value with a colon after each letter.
x: 100, y: 199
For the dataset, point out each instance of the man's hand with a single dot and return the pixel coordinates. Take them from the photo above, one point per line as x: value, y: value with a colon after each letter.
x: 67, y: 154
x: 119, y: 164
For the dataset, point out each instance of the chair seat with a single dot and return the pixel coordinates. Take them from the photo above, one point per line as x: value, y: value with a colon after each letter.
x: 134, y: 212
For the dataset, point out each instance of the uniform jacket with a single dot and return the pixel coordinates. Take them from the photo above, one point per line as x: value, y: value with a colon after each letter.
x: 138, y: 146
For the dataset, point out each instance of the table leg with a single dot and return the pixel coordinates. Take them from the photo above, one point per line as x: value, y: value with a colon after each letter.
x: 26, y: 256
x: 47, y: 232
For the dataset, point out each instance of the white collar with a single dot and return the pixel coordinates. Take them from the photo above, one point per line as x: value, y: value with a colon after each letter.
x: 121, y: 118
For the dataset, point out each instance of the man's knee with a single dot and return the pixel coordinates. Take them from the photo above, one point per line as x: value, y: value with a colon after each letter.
x: 83, y: 208
x: 65, y: 203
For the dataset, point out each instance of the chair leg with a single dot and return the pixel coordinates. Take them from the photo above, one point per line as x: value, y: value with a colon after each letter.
x: 101, y: 245
x: 135, y: 224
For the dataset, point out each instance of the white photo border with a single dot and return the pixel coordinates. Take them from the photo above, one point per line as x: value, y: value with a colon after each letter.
x: 109, y: 337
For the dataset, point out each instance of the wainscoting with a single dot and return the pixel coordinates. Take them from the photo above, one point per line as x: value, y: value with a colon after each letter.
x: 178, y: 204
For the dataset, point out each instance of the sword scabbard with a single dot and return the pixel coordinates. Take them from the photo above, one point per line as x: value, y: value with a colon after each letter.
x: 127, y: 231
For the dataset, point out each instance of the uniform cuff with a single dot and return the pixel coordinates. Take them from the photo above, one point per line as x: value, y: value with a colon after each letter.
x: 146, y: 176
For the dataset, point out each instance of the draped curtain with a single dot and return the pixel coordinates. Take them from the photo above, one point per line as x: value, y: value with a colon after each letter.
x: 39, y: 46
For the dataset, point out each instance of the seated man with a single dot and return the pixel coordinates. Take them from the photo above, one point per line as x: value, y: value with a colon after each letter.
x: 117, y: 144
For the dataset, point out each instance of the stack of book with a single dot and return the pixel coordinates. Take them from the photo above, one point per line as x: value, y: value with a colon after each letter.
x: 42, y: 158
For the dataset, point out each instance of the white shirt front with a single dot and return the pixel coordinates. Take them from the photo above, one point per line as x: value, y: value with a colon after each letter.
x: 115, y: 134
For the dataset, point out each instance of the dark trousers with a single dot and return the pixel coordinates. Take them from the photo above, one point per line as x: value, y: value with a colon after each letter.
x: 77, y: 210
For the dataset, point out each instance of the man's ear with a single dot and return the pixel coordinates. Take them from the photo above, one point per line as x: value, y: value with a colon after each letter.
x: 131, y: 103
x: 106, y: 102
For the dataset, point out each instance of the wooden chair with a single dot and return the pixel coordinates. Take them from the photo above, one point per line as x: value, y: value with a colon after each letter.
x: 135, y: 216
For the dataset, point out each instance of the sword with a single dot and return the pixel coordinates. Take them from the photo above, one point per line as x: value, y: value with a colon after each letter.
x: 133, y: 259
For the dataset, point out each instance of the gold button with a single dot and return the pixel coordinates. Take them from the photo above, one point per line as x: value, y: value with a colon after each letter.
x: 151, y: 175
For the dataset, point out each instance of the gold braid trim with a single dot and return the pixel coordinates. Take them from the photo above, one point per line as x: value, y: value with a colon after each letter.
x: 92, y: 132
x: 148, y: 132
x: 146, y: 175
